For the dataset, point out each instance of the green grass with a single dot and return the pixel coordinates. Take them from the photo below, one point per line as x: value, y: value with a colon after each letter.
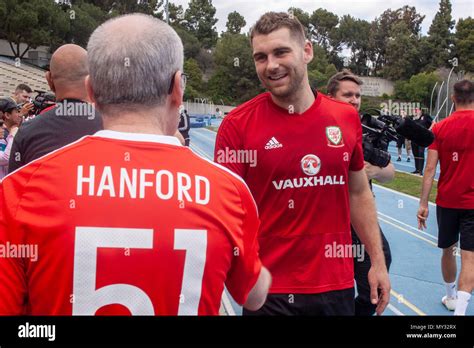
x: 409, y: 184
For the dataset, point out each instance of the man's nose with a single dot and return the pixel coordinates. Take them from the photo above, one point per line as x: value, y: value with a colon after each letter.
x: 272, y: 63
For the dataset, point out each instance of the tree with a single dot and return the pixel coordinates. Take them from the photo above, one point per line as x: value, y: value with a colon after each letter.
x: 234, y: 79
x: 200, y: 21
x: 35, y: 23
x: 235, y: 23
x: 176, y: 15
x: 417, y: 89
x: 194, y: 83
x: 440, y: 38
x: 464, y: 43
x: 190, y: 42
x: 120, y: 7
x: 402, y: 53
x: 381, y: 28
x: 323, y: 25
x: 354, y: 34
x: 84, y: 19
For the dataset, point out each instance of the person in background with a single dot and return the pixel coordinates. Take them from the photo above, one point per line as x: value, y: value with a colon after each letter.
x: 22, y: 96
x: 424, y: 120
x: 345, y: 86
x: 184, y: 126
x: 453, y: 147
x: 11, y: 121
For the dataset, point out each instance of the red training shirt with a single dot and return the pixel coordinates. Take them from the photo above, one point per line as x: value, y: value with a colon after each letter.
x: 454, y: 141
x: 125, y: 224
x: 297, y: 167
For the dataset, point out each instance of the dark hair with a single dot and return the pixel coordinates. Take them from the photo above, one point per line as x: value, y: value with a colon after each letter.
x: 344, y: 75
x: 464, y: 92
x: 272, y: 21
x: 23, y: 87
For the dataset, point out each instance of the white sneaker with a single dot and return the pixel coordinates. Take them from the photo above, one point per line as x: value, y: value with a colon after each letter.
x: 449, y: 302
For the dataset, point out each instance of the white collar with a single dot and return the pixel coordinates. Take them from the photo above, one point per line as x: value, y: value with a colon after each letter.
x: 154, y: 138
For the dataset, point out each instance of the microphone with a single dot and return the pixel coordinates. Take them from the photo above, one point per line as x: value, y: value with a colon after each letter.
x: 413, y: 131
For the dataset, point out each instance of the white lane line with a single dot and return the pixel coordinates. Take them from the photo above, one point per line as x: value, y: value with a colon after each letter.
x: 394, y: 309
x: 402, y: 194
x: 404, y: 224
x: 227, y: 305
x: 409, y: 232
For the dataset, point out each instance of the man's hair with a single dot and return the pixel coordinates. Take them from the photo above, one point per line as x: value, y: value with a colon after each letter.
x: 272, y: 21
x: 136, y: 70
x: 344, y: 75
x: 464, y: 92
x: 22, y: 87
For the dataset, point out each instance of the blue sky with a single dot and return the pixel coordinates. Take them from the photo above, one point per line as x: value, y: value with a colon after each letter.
x: 364, y: 9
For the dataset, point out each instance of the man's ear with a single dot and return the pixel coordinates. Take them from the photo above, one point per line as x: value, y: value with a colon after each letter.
x: 308, y: 51
x: 49, y: 79
x: 177, y: 93
x: 89, y: 90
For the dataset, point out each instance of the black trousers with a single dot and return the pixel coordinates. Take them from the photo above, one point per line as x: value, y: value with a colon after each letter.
x: 338, y: 302
x: 419, y: 155
x: 363, y: 306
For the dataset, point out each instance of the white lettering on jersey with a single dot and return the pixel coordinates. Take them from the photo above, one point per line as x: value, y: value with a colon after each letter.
x: 164, y: 184
x: 309, y: 182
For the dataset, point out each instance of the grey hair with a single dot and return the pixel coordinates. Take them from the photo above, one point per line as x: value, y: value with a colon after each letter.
x: 132, y: 66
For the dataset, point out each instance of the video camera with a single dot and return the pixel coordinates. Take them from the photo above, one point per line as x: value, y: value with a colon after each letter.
x: 42, y: 101
x: 379, y: 131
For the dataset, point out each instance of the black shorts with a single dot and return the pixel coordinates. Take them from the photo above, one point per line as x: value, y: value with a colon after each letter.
x: 338, y: 302
x: 453, y: 223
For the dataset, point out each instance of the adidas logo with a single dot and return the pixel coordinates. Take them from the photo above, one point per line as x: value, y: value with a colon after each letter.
x: 273, y: 144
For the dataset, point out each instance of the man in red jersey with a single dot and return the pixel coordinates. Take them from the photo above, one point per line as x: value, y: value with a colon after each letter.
x: 128, y: 221
x: 454, y: 148
x: 307, y: 172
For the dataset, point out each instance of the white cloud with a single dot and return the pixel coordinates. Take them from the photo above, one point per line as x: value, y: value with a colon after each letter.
x: 364, y: 9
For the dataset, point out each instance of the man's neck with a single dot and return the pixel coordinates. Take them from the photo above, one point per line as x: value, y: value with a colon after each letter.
x: 465, y: 107
x: 299, y: 102
x: 144, y: 123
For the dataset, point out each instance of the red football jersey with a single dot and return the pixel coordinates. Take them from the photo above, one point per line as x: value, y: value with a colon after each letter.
x: 125, y: 224
x: 297, y: 166
x: 454, y: 141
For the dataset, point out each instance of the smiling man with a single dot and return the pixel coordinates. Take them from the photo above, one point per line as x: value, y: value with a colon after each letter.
x: 309, y: 181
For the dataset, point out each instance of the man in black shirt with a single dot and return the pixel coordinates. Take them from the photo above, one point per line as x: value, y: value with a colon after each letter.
x: 72, y: 118
x: 184, y: 126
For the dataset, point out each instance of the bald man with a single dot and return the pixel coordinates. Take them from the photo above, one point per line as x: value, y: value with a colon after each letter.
x: 72, y: 118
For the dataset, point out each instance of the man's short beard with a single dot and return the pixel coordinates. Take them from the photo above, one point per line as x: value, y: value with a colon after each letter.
x: 292, y: 89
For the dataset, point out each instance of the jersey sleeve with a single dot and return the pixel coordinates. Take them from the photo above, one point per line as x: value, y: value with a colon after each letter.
x: 12, y: 271
x: 357, y: 158
x: 228, y: 140
x: 246, y: 265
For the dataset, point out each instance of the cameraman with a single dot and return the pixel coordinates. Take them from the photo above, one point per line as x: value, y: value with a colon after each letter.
x: 344, y: 86
x: 22, y: 97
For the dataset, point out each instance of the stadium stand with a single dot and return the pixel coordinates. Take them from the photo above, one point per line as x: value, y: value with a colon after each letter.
x: 12, y: 75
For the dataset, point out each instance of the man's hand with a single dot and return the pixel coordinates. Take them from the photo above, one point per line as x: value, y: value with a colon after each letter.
x: 26, y: 108
x: 379, y: 286
x: 422, y: 216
